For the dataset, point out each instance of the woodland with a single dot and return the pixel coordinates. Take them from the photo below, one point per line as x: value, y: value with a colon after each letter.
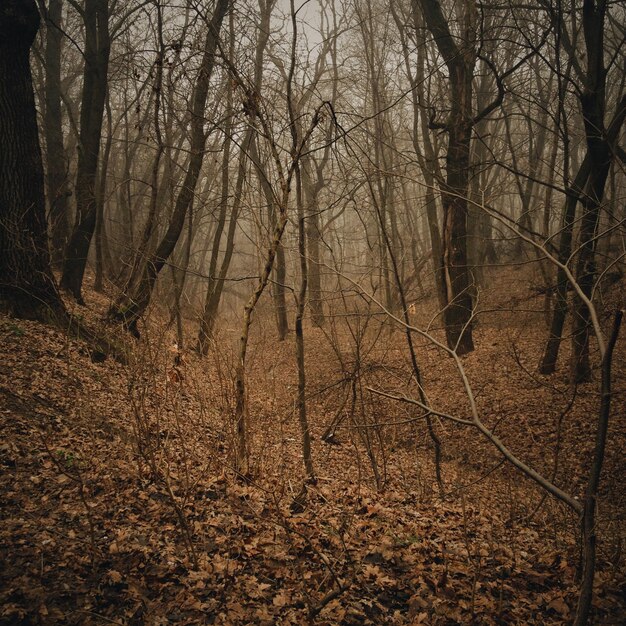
x: 310, y: 312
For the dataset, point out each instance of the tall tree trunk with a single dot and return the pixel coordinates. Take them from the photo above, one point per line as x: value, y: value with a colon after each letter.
x: 300, y: 307
x: 581, y: 189
x: 56, y: 158
x: 27, y: 287
x: 280, y: 291
x: 600, y: 153
x: 459, y: 301
x: 100, y: 234
x: 97, y: 47
x: 216, y: 285
x: 589, y: 530
x: 311, y: 190
x: 179, y: 274
x: 454, y: 199
x: 551, y: 353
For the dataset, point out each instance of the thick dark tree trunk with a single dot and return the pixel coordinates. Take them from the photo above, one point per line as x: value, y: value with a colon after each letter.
x: 27, y: 288
x: 56, y: 161
x: 600, y: 153
x: 460, y: 60
x: 458, y: 312
x: 97, y: 47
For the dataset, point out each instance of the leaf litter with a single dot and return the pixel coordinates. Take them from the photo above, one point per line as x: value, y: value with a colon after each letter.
x: 120, y: 505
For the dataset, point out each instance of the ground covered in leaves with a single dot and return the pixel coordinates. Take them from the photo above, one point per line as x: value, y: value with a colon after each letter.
x: 120, y: 506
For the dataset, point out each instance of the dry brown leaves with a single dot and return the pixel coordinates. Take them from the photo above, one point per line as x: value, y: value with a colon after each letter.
x: 119, y: 505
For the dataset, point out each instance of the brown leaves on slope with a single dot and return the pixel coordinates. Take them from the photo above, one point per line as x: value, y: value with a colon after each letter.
x: 114, y: 480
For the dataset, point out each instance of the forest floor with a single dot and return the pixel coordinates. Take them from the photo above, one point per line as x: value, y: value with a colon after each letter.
x: 120, y: 505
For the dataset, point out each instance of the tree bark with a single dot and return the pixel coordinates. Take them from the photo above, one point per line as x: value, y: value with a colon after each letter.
x: 593, y: 105
x: 97, y: 48
x: 312, y: 189
x: 551, y: 353
x: 591, y: 493
x: 300, y: 307
x: 460, y: 62
x: 279, y: 291
x: 56, y: 159
x: 100, y: 232
x: 27, y: 287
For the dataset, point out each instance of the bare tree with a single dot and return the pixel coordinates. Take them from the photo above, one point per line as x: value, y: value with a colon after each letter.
x: 587, y: 187
x: 459, y: 54
x: 600, y: 152
x: 129, y: 307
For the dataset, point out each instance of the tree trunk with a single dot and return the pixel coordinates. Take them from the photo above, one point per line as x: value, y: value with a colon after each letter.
x: 591, y: 493
x: 586, y: 185
x: 458, y: 313
x: 100, y: 234
x: 551, y: 353
x: 300, y: 307
x: 241, y: 417
x: 311, y: 191
x: 210, y: 306
x: 279, y: 291
x: 27, y: 287
x: 56, y: 159
x: 460, y: 61
x: 600, y: 153
x: 97, y: 47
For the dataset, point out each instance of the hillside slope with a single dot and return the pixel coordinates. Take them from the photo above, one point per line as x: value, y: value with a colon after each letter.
x: 120, y: 507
